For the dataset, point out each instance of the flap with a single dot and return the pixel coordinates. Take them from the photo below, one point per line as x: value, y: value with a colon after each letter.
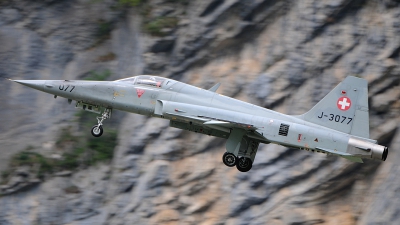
x: 185, y: 118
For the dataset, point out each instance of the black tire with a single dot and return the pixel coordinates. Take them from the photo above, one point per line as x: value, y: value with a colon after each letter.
x: 97, y: 132
x: 244, y: 164
x: 229, y: 159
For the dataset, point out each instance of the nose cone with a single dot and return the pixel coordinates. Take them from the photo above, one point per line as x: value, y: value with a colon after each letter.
x: 35, y: 84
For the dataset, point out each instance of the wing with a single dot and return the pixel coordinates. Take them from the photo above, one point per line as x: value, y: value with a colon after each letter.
x: 215, y: 124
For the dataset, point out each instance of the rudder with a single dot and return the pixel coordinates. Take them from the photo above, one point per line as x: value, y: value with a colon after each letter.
x: 345, y: 108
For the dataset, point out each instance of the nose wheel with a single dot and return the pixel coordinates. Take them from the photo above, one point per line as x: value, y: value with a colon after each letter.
x: 97, y: 130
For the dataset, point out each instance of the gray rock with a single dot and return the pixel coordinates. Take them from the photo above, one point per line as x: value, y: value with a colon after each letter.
x: 284, y: 54
x: 65, y: 173
x: 382, y: 102
x: 387, y: 189
x: 8, y: 15
x: 162, y: 11
x: 210, y: 7
x: 158, y: 175
x: 260, y: 88
x: 125, y: 181
x: 245, y: 200
x: 163, y: 45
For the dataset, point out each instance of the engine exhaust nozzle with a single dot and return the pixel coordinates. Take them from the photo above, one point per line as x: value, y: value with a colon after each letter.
x: 368, y: 149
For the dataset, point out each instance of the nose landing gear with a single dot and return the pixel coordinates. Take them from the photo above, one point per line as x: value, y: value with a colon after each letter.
x: 97, y: 130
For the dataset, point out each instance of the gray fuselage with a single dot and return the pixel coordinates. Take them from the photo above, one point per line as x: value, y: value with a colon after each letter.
x: 192, y: 108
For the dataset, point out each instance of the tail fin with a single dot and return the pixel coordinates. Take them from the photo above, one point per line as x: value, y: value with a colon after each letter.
x: 345, y: 108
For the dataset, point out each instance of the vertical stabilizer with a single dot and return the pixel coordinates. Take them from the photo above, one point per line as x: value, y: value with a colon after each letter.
x: 345, y: 108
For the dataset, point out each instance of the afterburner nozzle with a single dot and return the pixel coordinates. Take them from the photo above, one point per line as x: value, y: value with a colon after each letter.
x: 379, y: 152
x: 385, y: 153
x: 369, y: 149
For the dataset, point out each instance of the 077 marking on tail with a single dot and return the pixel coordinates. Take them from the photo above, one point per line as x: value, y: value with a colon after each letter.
x: 244, y: 125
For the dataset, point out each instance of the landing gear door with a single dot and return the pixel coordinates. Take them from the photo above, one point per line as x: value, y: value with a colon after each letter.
x: 234, y: 141
x: 248, y: 148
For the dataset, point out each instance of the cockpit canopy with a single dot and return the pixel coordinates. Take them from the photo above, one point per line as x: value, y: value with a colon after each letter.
x: 147, y: 80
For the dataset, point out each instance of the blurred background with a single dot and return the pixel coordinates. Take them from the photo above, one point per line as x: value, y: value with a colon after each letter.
x: 280, y: 54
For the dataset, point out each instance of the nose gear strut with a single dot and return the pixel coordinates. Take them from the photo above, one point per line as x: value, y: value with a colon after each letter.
x: 97, y: 130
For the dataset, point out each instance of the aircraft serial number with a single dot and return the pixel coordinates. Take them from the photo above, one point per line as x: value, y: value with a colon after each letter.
x: 63, y: 88
x: 336, y: 118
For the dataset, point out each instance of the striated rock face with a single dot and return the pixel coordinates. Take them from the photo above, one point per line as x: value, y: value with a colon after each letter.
x: 283, y: 55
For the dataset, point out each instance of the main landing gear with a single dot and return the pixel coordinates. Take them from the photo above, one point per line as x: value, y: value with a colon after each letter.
x: 97, y: 130
x: 243, y: 164
x: 229, y: 159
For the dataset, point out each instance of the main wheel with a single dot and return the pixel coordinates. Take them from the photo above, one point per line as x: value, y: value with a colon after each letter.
x: 244, y: 164
x: 97, y: 130
x: 229, y: 159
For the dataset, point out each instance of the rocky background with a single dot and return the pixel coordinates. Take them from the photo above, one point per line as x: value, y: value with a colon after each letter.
x: 281, y: 54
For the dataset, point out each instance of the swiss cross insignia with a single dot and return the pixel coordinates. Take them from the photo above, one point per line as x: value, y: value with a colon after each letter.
x: 344, y: 103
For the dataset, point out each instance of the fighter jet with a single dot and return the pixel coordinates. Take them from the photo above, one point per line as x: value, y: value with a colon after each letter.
x: 337, y: 125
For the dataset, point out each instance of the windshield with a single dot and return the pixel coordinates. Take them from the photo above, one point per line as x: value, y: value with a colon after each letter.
x: 145, y: 80
x: 128, y: 80
x: 150, y: 80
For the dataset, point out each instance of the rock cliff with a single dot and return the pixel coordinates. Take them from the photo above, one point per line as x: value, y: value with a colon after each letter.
x: 284, y: 55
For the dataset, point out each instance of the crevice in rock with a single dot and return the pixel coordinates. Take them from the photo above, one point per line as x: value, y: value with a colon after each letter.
x: 214, y: 4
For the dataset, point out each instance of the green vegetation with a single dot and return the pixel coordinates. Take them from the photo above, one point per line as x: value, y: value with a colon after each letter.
x: 104, y: 29
x: 4, y: 176
x: 103, y: 32
x: 130, y: 2
x: 102, y: 148
x: 98, y: 76
x: 77, y: 151
x: 85, y: 150
x: 34, y: 160
x: 155, y: 26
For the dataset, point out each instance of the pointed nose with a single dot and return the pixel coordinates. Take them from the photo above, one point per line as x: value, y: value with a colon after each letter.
x: 35, y: 84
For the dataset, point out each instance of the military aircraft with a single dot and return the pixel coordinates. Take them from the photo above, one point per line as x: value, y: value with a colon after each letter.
x: 337, y: 125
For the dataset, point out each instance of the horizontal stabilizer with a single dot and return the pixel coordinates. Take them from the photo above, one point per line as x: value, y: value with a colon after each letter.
x: 353, y: 159
x: 333, y: 152
x: 342, y: 154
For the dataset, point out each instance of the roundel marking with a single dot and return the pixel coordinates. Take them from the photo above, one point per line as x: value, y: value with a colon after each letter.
x: 344, y: 103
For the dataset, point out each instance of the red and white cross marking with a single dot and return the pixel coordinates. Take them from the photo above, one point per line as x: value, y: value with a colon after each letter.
x: 344, y: 103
